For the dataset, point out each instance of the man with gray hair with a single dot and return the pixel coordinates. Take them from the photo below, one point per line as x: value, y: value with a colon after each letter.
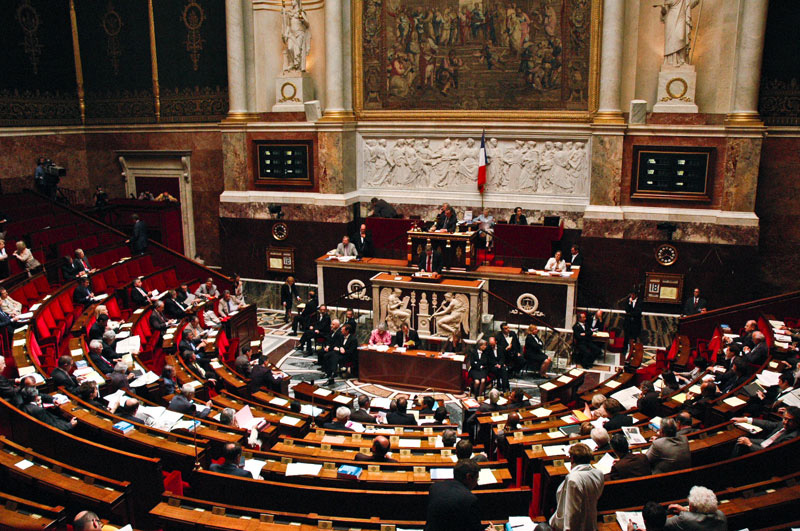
x: 701, y: 513
x: 227, y: 416
x: 601, y: 439
x: 98, y: 360
x: 183, y: 403
x: 342, y: 418
x: 227, y: 305
x: 758, y: 354
x: 669, y: 450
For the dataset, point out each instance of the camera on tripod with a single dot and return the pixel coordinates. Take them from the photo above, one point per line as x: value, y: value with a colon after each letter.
x: 52, y: 172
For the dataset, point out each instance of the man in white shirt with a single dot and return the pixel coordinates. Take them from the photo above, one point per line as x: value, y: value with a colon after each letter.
x: 9, y: 305
x: 556, y: 263
x: 578, y: 494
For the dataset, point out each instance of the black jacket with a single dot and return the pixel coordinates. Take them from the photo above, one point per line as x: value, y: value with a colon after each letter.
x: 172, y: 309
x: 69, y: 271
x: 366, y: 247
x: 446, y: 223
x: 437, y: 262
x: 451, y: 506
x: 51, y: 419
x: 103, y: 365
x: 400, y: 419
x: 398, y: 338
x: 180, y: 404
x: 649, y: 404
x: 63, y: 379
x: 158, y: 322
x: 260, y: 377
x: 231, y: 470
x: 534, y: 348
x: 139, y: 237
x: 289, y: 294
x: 138, y: 298
x: 82, y: 295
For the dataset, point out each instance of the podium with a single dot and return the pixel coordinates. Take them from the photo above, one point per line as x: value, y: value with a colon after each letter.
x: 458, y: 248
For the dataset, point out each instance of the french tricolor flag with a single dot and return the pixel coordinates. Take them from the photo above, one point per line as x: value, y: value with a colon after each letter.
x: 482, y: 164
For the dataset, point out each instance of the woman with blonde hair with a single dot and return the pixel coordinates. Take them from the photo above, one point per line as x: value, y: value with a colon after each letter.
x: 25, y: 256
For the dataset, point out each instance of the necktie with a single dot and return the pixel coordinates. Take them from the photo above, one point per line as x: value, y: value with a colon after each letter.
x: 429, y: 267
x: 773, y: 438
x: 695, y: 302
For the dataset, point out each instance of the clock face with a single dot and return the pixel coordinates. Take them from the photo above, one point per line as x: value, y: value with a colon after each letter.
x: 666, y: 254
x: 280, y: 231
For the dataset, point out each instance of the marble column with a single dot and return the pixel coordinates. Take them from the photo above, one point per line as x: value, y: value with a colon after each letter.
x: 749, y: 51
x: 334, y: 63
x: 249, y: 54
x: 609, y: 110
x: 237, y: 66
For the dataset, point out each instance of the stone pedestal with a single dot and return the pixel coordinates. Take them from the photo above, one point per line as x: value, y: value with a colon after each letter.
x: 292, y: 90
x: 676, y: 88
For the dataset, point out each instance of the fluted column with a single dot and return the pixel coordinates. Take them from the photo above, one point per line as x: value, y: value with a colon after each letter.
x: 749, y: 51
x: 237, y: 69
x: 334, y: 64
x: 609, y: 110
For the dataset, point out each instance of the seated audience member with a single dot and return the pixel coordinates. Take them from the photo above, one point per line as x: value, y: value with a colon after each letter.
x: 380, y: 336
x: 381, y: 209
x: 698, y: 405
x: 627, y: 464
x: 242, y: 362
x: 596, y: 408
x: 110, y: 346
x: 332, y: 342
x: 172, y: 308
x: 62, y: 377
x: 400, y: 417
x: 227, y: 305
x: 207, y: 290
x: 616, y: 418
x: 82, y: 263
x: 601, y: 439
x: 201, y: 368
x: 8, y: 304
x: 449, y: 438
x: 361, y: 414
x: 654, y: 516
x: 127, y: 409
x: 451, y: 504
x: 227, y: 417
x: 756, y: 355
x: 350, y: 319
x: 120, y: 377
x: 31, y: 403
x: 586, y: 350
x: 159, y: 321
x: 238, y: 290
x: 735, y: 377
x: 485, y: 222
x: 7, y: 389
x: 518, y: 218
x: 597, y: 322
x: 700, y: 366
x: 68, y: 270
x: 183, y: 296
x: 25, y: 256
x: 231, y: 453
x: 556, y: 263
x: 578, y: 494
x: 88, y: 521
x: 517, y: 400
x: 406, y: 337
x: 694, y: 304
x: 669, y: 384
x: 576, y: 259
x: 346, y: 248
x: 99, y: 327
x: 363, y: 242
x: 454, y: 344
x: 669, y: 450
x: 440, y: 416
x: 464, y: 451
x: 318, y: 328
x: 341, y: 420
x: 168, y: 380
x: 139, y: 297
x: 535, y: 358
x: 183, y: 403
x: 196, y: 328
x: 649, y: 403
x: 90, y: 393
x: 508, y: 345
x: 380, y: 447
x: 479, y: 362
x: 3, y: 252
x: 261, y: 376
x: 309, y: 311
x: 772, y: 432
x: 500, y: 365
x: 448, y: 222
x: 83, y: 293
x: 431, y: 261
x: 685, y: 423
x: 745, y: 338
x: 428, y: 405
x: 701, y: 513
x: 726, y: 356
x: 190, y: 341
x: 98, y: 360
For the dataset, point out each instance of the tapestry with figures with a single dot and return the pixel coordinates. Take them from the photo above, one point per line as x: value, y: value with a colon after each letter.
x: 474, y: 55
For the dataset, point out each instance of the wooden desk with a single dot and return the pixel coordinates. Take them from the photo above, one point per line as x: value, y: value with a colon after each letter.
x: 458, y: 248
x: 416, y: 369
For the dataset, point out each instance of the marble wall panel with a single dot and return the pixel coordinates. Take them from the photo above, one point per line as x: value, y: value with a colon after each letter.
x: 686, y: 232
x: 234, y: 160
x: 742, y: 157
x: 292, y: 212
x: 606, y: 169
x: 331, y: 160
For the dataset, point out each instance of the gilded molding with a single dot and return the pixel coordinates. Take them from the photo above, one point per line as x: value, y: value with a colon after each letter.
x: 154, y: 60
x: 76, y: 51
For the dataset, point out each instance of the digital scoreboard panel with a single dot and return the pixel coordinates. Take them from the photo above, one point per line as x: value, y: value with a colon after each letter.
x: 672, y: 173
x: 284, y: 163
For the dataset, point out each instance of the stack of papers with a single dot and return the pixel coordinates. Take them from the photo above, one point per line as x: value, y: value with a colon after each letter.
x: 254, y: 466
x: 633, y: 435
x: 441, y: 473
x: 624, y: 517
x: 322, y: 392
x: 486, y: 477
x: 302, y: 469
x: 605, y: 463
x: 145, y: 379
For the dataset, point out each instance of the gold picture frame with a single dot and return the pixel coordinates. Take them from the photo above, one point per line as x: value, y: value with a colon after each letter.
x: 478, y: 115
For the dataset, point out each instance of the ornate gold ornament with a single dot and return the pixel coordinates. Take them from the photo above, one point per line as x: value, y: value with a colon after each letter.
x: 677, y: 95
x: 112, y: 26
x: 28, y: 19
x: 288, y: 93
x: 193, y: 17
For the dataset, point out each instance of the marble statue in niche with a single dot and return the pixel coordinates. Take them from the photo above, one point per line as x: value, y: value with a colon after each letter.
x: 515, y: 166
x: 452, y: 315
x: 296, y: 35
x: 677, y: 18
x: 394, y: 309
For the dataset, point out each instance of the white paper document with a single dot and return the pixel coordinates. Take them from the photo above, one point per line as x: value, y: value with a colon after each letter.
x: 302, y: 469
x: 486, y: 477
x: 441, y: 473
x: 605, y: 463
x: 254, y: 466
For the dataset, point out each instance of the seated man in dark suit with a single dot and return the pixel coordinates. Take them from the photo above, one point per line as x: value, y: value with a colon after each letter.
x: 508, y: 344
x: 182, y: 403
x: 158, y: 321
x: 317, y: 328
x: 68, y: 270
x: 83, y: 294
x: 232, y: 453
x: 363, y: 242
x: 99, y: 327
x: 261, y: 376
x: 81, y: 263
x: 627, y: 465
x: 172, y: 308
x: 242, y: 362
x: 301, y: 320
x: 587, y: 351
x: 758, y: 354
x: 431, y: 261
x: 616, y: 418
x: 127, y: 409
x: 694, y: 304
x: 96, y: 355
x: 448, y: 222
x: 773, y: 432
x: 669, y: 451
x: 190, y: 342
x: 380, y: 447
x: 401, y: 417
x: 451, y: 505
x: 32, y: 405
x: 341, y: 420
x: 575, y: 257
x: 328, y: 355
x: 362, y: 413
x: 649, y: 403
x: 7, y: 389
x: 406, y: 337
x: 61, y: 375
x: 139, y: 297
x: 110, y: 346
